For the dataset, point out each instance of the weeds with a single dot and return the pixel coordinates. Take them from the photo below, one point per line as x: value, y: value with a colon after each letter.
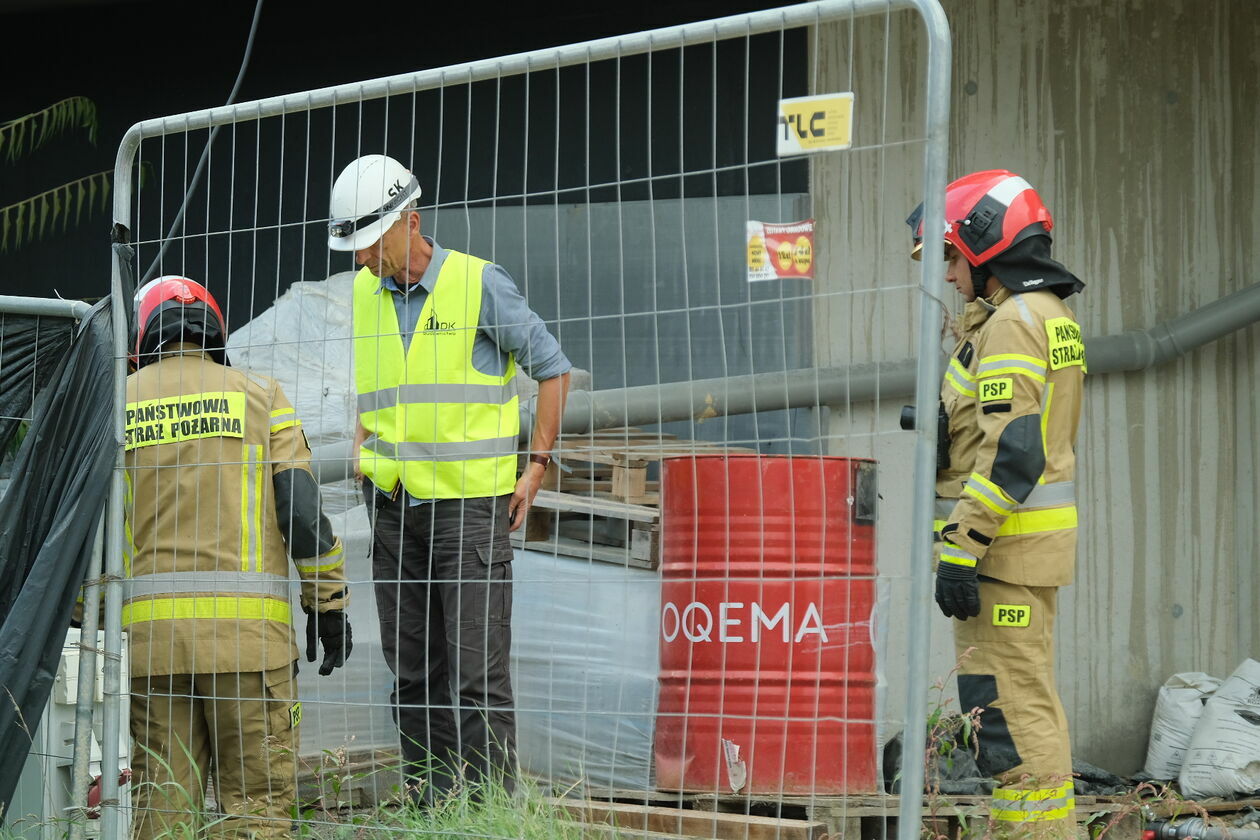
x: 471, y: 810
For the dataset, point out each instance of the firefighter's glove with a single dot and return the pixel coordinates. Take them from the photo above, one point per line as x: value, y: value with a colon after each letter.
x: 957, y: 589
x: 332, y: 628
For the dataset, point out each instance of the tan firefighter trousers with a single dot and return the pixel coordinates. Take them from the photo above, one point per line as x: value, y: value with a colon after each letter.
x: 1023, y: 737
x: 239, y: 729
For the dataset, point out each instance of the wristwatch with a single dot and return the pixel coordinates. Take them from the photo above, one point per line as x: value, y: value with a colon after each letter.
x: 540, y: 459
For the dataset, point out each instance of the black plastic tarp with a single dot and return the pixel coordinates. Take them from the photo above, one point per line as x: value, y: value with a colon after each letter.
x: 48, y: 519
x: 31, y: 348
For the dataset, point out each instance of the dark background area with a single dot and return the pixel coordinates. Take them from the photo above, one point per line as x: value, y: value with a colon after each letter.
x: 622, y: 132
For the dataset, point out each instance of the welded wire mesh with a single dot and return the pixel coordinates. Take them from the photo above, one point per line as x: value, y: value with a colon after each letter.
x: 706, y: 604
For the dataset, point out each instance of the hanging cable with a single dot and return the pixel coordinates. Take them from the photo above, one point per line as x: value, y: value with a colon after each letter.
x: 205, y: 153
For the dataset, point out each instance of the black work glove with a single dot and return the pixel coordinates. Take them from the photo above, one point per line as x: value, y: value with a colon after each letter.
x: 957, y: 589
x: 333, y: 630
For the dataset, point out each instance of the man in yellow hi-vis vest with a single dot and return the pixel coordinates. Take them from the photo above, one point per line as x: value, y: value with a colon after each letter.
x: 1006, y: 490
x: 220, y: 495
x: 438, y: 337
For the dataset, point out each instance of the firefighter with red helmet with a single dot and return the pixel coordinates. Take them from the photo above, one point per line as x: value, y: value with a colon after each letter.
x: 219, y: 496
x: 1006, y: 501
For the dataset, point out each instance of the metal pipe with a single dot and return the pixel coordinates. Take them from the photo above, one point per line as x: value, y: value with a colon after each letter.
x: 699, y: 399
x: 1195, y: 828
x: 85, y: 700
x: 49, y: 307
x: 1140, y: 349
x: 926, y: 395
x: 111, y: 813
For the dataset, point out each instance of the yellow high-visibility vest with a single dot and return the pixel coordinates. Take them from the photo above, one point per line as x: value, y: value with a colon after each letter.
x: 435, y: 422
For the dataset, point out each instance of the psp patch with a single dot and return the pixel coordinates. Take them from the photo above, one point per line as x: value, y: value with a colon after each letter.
x: 1012, y: 615
x: 295, y: 715
x: 992, y: 390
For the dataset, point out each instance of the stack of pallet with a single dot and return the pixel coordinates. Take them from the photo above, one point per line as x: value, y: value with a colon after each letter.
x: 599, y: 501
x: 657, y: 815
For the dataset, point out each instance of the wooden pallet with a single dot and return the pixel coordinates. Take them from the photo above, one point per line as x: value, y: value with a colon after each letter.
x: 612, y: 463
x: 872, y: 817
x: 597, y: 502
x: 655, y: 821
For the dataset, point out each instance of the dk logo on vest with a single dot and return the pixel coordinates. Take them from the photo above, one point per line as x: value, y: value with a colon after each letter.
x: 433, y: 324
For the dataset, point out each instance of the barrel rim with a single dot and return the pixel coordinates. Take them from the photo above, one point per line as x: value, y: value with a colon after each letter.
x: 732, y: 456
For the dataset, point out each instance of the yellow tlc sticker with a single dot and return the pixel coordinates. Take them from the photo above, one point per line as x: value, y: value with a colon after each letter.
x: 820, y: 123
x: 185, y: 417
x: 1066, y: 347
x: 295, y: 714
x: 1011, y: 615
x: 992, y: 390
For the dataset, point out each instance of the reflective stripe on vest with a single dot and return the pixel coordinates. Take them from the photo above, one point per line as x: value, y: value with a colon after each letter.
x: 441, y: 451
x: 390, y: 397
x: 435, y: 422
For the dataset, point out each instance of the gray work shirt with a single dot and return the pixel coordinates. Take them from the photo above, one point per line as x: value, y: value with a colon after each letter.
x: 507, y: 324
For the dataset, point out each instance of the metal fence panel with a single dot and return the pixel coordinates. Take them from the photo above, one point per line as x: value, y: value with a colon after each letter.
x: 637, y: 190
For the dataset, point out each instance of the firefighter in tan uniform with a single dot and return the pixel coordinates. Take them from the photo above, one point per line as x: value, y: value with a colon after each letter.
x: 1006, y: 503
x: 220, y: 495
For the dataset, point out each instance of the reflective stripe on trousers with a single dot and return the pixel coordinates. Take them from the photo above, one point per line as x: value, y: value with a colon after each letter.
x: 1036, y: 805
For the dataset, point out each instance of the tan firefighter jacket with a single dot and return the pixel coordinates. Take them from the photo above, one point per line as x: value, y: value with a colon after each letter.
x: 219, y: 496
x: 1012, y: 392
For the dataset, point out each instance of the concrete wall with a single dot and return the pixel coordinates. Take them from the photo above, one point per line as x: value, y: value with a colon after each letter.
x: 1137, y: 121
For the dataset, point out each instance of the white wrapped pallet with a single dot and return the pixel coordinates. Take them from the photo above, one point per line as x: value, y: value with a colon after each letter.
x: 1224, y: 754
x: 1177, y: 711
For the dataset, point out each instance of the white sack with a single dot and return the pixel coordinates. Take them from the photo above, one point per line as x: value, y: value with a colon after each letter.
x: 1224, y: 754
x: 303, y: 341
x: 1177, y: 709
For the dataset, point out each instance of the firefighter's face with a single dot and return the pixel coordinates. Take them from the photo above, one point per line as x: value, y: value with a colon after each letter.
x: 958, y: 273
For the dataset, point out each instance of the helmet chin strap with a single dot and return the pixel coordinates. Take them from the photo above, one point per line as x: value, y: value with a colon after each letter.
x: 979, y: 279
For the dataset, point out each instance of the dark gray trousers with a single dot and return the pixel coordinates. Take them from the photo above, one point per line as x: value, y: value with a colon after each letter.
x: 443, y: 581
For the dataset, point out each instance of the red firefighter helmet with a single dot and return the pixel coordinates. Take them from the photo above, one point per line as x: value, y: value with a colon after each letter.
x: 986, y: 214
x: 172, y: 309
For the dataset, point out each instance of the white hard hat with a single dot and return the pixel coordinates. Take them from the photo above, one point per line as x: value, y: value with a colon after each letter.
x: 367, y: 198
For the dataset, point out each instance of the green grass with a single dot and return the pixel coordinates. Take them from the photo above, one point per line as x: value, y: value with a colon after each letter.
x: 485, y: 811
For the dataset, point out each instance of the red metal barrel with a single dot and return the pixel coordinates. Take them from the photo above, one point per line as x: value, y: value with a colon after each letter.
x: 767, y: 681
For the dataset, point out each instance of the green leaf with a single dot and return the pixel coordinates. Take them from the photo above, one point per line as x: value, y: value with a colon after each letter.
x: 78, y: 207
x: 32, y: 216
x: 27, y: 133
x: 17, y: 225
